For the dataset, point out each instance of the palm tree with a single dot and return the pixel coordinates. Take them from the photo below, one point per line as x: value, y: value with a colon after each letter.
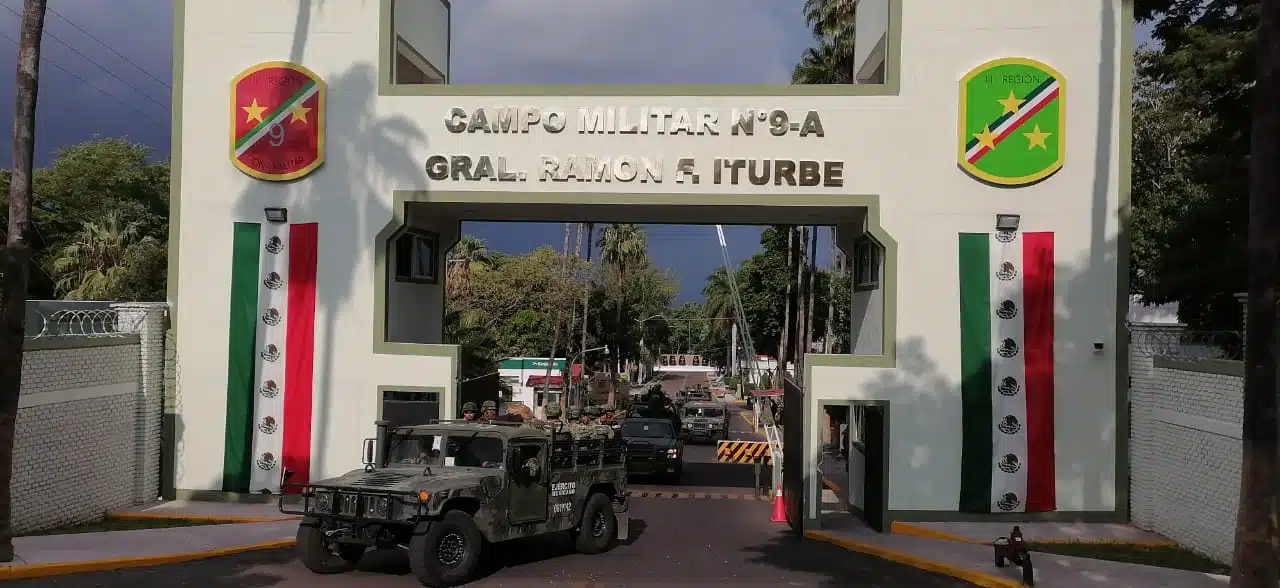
x: 622, y: 247
x: 95, y: 264
x: 828, y: 63
x: 831, y: 61
x: 469, y: 255
x: 719, y: 306
x: 476, y: 347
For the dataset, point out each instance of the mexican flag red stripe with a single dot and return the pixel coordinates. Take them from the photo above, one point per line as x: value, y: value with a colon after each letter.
x: 300, y: 342
x: 1007, y: 386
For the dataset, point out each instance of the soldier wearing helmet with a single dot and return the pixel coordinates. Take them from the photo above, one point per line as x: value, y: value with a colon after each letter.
x: 469, y: 411
x: 489, y: 409
x: 552, y: 411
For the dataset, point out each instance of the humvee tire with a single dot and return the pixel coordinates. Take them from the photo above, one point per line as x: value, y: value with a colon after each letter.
x: 448, y: 553
x: 316, y: 555
x: 599, y: 526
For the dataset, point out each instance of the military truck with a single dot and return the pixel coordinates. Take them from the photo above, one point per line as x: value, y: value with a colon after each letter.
x: 705, y: 421
x: 446, y: 489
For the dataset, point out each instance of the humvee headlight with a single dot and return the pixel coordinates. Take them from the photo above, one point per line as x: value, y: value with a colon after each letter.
x: 424, y: 496
x: 673, y: 453
x: 377, y: 507
x: 324, y: 501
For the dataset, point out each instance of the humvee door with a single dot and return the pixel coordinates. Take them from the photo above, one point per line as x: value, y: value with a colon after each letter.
x: 529, y: 490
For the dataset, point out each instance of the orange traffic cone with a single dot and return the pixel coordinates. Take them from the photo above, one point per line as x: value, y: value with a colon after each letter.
x: 779, y: 507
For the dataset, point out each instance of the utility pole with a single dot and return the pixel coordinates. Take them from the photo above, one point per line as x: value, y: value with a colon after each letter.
x: 17, y: 255
x: 555, y: 338
x: 586, y: 299
x: 733, y: 349
x: 1254, y: 564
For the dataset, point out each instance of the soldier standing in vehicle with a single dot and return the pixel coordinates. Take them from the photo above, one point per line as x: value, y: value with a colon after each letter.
x: 490, y: 410
x: 577, y: 427
x: 469, y: 411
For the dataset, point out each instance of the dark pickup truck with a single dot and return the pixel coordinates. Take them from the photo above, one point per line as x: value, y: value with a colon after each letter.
x: 654, y: 448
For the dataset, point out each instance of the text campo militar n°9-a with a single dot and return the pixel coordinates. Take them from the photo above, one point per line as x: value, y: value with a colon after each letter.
x: 621, y: 121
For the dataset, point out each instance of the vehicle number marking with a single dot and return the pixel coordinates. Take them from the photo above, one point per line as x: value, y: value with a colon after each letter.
x: 564, y: 488
x: 561, y: 508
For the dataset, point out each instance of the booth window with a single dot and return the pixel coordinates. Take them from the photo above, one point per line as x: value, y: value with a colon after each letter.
x: 405, y: 408
x: 866, y: 264
x: 416, y: 257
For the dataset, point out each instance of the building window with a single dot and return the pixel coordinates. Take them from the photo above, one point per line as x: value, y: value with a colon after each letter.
x: 866, y: 264
x: 664, y: 360
x: 416, y: 257
x: 683, y: 359
x: 404, y: 408
x: 697, y: 360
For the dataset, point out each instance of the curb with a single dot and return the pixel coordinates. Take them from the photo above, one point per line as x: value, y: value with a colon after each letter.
x: 229, y: 520
x: 927, y: 533
x: 28, y: 571
x: 971, y: 576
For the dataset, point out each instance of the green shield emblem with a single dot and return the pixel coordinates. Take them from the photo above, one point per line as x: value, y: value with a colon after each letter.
x: 1011, y: 122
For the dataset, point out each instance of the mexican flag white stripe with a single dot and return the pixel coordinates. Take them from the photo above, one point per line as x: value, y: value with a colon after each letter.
x: 268, y: 408
x: 1008, y: 361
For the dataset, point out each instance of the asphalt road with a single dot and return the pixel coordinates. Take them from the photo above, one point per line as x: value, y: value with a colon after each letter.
x: 675, y: 542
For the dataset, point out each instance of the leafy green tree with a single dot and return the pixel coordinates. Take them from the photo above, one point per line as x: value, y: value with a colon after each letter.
x: 477, y: 349
x: 468, y: 256
x: 104, y: 260
x: 622, y: 247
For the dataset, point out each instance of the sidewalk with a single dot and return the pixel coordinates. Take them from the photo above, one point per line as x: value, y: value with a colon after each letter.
x: 56, y: 555
x: 963, y: 550
x: 973, y: 563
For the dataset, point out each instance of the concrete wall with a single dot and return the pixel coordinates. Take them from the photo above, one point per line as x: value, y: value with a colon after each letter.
x: 89, y: 423
x: 1185, y: 448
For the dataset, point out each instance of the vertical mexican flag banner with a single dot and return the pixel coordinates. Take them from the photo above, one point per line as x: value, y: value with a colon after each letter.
x: 271, y: 351
x: 1006, y: 355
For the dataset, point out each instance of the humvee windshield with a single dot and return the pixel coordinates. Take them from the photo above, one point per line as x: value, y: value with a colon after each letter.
x: 654, y: 430
x: 706, y: 413
x: 440, y: 450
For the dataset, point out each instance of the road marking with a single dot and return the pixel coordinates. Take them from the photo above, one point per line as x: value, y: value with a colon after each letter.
x: 691, y: 495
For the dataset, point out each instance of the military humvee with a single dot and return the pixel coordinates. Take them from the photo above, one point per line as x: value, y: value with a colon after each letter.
x: 445, y: 489
x: 705, y: 420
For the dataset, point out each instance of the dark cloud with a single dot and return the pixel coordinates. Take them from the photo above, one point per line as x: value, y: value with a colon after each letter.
x: 87, y: 89
x: 627, y: 41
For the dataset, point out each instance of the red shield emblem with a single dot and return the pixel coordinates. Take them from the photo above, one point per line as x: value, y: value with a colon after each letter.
x: 277, y: 121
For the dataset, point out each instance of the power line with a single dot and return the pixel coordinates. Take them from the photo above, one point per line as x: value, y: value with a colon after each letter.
x: 112, y: 50
x: 90, y: 60
x: 94, y: 86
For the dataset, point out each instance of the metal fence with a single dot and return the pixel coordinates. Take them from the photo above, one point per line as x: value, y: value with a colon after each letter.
x: 1181, y: 343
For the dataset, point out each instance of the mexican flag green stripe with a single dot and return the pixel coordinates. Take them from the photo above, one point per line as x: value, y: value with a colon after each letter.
x: 241, y: 359
x: 975, y: 365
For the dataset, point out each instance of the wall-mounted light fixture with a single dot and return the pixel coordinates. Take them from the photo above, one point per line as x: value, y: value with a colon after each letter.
x: 1007, y: 222
x: 276, y: 214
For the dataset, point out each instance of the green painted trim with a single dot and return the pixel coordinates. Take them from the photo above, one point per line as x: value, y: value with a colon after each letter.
x: 220, y: 496
x: 1124, y: 101
x: 175, y: 155
x: 1220, y: 367
x: 78, y: 342
x: 1059, y: 516
x: 890, y: 87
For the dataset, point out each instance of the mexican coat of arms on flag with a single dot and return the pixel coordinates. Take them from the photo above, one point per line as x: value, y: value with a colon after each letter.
x: 1011, y: 122
x: 277, y: 121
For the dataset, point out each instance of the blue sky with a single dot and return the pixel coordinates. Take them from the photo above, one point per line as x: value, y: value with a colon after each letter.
x: 99, y: 77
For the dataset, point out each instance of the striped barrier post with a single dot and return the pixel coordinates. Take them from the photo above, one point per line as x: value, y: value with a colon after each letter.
x: 743, y: 452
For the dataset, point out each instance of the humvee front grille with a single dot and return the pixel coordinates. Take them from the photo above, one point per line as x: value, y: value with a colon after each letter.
x: 381, y: 479
x: 348, y: 504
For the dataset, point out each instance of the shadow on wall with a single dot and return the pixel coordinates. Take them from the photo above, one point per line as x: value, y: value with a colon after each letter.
x: 366, y: 157
x: 934, y: 397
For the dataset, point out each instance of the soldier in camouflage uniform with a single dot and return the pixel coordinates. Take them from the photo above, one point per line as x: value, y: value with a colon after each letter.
x: 601, y: 429
x: 490, y: 409
x: 469, y: 411
x: 577, y: 425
